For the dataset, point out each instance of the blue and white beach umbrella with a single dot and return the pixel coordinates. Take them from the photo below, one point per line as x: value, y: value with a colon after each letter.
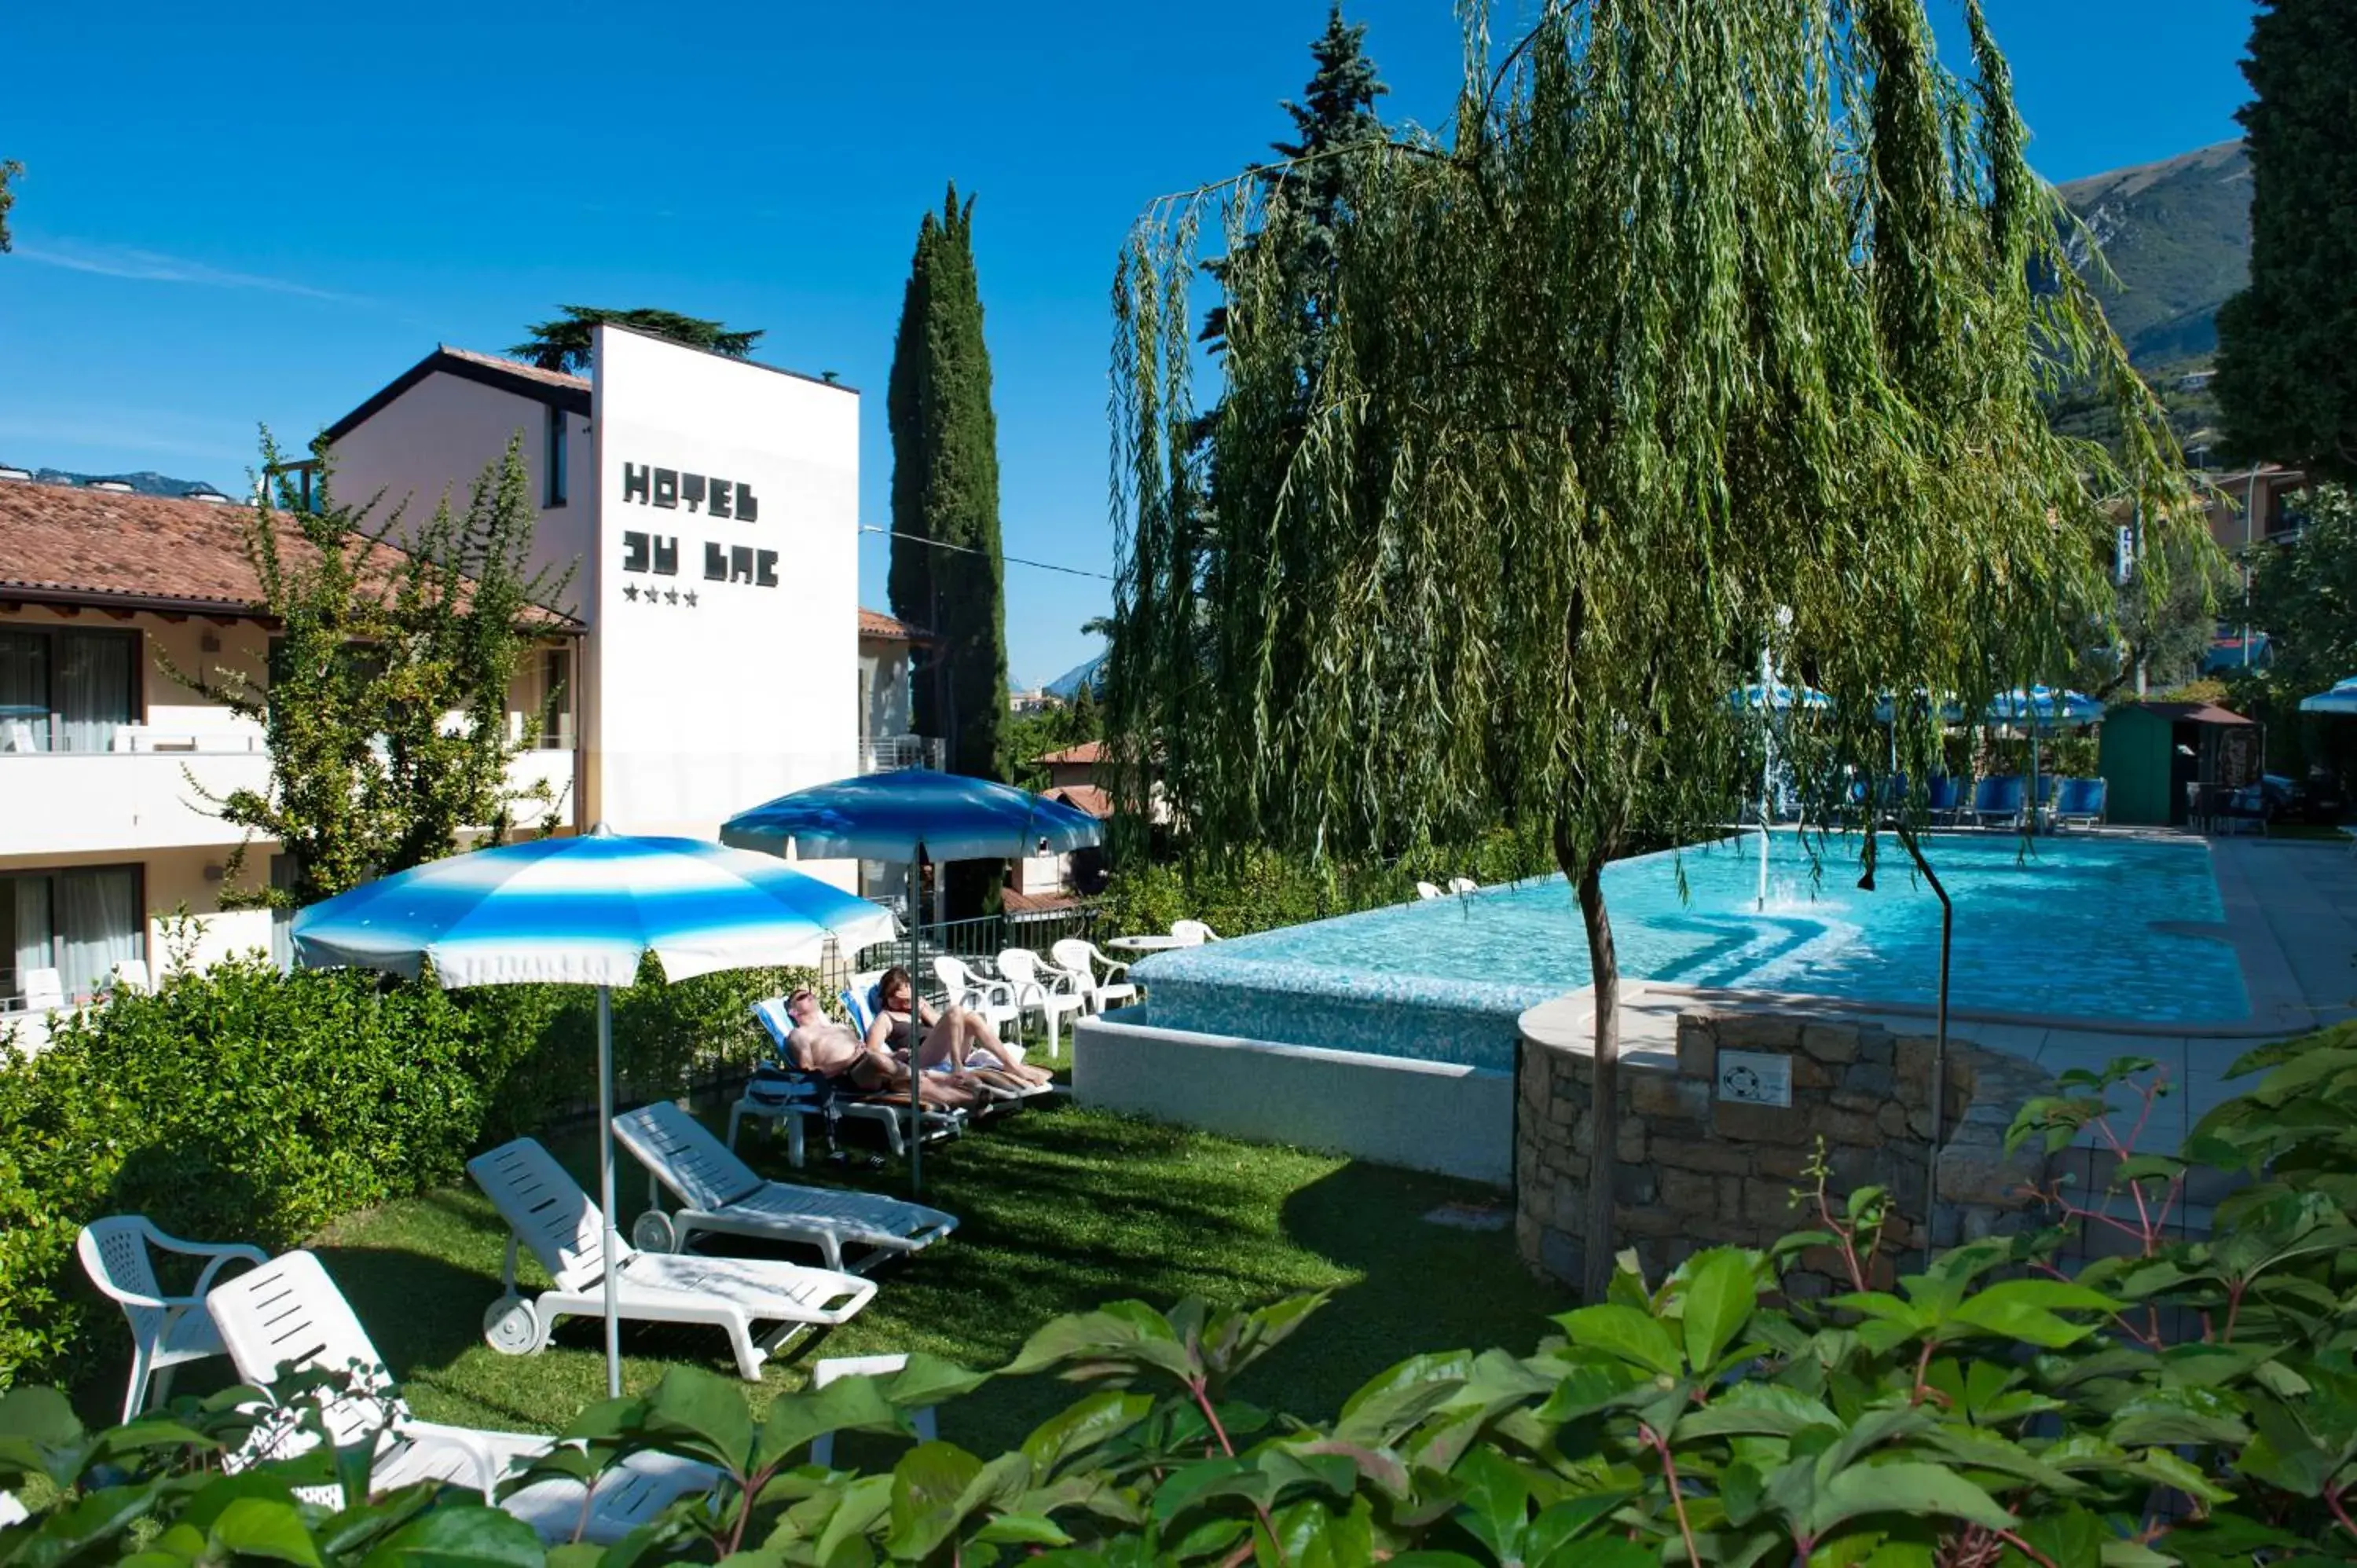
x: 2340, y: 699
x: 1777, y: 698
x: 2042, y: 706
x: 912, y: 812
x: 586, y: 911
x: 908, y: 815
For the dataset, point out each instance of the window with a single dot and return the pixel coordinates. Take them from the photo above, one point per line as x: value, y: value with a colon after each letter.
x: 79, y: 923
x: 66, y: 691
x: 556, y: 699
x: 552, y: 461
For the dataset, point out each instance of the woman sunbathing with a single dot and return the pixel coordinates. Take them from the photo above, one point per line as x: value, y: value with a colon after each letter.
x: 958, y: 1040
x: 820, y: 1045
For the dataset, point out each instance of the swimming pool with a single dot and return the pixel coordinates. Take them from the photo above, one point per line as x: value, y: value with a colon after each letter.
x: 2085, y: 927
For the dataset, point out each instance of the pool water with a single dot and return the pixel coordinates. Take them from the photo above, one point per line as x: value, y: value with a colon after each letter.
x: 2081, y: 928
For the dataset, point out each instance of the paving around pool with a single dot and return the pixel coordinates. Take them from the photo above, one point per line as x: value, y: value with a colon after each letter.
x: 1399, y: 1033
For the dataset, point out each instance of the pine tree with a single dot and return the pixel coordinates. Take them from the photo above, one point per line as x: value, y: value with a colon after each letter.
x: 946, y: 572
x: 1308, y: 190
x: 2287, y: 386
x: 563, y: 344
x: 9, y: 169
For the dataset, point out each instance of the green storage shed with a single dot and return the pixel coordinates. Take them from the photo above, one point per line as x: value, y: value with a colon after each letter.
x: 2149, y: 752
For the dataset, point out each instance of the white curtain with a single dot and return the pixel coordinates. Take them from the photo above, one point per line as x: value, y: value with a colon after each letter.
x: 98, y: 915
x: 24, y: 691
x: 92, y: 688
x: 28, y: 899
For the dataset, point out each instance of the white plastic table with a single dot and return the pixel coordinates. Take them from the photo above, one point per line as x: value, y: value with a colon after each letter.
x: 1150, y: 944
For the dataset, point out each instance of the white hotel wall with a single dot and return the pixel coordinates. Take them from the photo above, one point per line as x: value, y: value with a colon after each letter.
x: 694, y: 713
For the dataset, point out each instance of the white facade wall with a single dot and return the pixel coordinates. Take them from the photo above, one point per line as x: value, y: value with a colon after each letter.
x: 704, y: 694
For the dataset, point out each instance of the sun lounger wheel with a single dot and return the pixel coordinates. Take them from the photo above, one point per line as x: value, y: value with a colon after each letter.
x: 513, y: 1327
x: 654, y: 1231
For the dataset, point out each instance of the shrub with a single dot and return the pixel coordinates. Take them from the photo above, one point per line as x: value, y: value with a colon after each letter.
x: 1263, y: 889
x: 240, y: 1103
x: 2182, y: 1402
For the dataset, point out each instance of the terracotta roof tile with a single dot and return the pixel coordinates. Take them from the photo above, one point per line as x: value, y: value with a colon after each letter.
x: 1086, y: 798
x: 1088, y: 751
x: 66, y: 544
x: 518, y: 367
x: 875, y: 623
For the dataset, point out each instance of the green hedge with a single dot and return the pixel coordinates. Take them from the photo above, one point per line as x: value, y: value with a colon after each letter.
x: 1261, y: 889
x: 239, y: 1103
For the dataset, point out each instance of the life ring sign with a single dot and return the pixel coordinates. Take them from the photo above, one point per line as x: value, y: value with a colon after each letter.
x: 1755, y: 1078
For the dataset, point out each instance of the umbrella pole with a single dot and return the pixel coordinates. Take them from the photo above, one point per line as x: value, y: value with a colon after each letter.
x: 917, y: 1026
x: 606, y: 1186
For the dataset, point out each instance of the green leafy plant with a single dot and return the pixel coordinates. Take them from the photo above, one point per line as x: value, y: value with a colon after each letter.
x: 238, y: 1103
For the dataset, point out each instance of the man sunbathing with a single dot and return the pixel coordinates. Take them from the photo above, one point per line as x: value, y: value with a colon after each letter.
x: 818, y: 1044
x: 958, y: 1041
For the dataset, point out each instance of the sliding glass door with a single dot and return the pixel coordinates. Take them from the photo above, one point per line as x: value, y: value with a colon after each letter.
x: 81, y: 923
x: 66, y: 691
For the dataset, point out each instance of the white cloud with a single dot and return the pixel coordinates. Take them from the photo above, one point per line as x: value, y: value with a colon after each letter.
x: 152, y: 266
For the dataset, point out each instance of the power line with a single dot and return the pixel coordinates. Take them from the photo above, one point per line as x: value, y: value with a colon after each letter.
x: 971, y: 549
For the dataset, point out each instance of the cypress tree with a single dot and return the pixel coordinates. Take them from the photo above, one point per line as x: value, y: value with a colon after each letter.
x: 2287, y: 387
x: 946, y: 571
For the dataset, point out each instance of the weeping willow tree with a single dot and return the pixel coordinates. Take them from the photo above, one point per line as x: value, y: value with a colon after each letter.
x: 1707, y: 333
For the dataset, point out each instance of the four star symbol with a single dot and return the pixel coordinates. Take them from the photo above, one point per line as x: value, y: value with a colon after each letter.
x: 655, y: 596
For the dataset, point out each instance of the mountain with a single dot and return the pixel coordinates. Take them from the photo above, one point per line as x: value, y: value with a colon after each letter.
x: 1067, y: 686
x: 147, y: 481
x: 2176, y: 234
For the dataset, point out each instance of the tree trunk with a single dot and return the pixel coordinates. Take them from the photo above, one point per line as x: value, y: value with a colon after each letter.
x: 1603, y: 1164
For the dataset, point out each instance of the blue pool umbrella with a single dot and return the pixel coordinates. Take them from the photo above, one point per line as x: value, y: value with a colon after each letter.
x: 2340, y: 699
x: 586, y: 911
x: 2042, y: 706
x: 912, y: 812
x: 1776, y: 698
x: 908, y: 815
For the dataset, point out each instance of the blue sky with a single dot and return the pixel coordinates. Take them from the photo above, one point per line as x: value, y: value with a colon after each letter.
x: 225, y: 222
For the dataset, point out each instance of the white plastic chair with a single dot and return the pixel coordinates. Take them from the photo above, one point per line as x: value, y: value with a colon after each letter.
x: 1045, y: 988
x: 720, y: 1192
x: 1101, y: 980
x: 839, y: 1366
x: 1422, y: 890
x: 167, y: 1331
x: 131, y: 974
x: 1463, y: 885
x: 45, y: 991
x: 288, y: 1316
x: 1193, y: 933
x: 547, y: 1212
x: 993, y: 999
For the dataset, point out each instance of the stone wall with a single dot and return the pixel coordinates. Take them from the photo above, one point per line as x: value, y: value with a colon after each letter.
x: 1697, y: 1170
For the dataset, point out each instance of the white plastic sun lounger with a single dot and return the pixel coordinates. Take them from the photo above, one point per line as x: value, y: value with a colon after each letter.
x: 720, y: 1192
x: 547, y: 1212
x: 288, y: 1315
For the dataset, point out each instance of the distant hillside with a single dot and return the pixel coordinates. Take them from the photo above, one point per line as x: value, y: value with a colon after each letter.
x: 147, y: 481
x: 1067, y: 686
x: 2177, y: 235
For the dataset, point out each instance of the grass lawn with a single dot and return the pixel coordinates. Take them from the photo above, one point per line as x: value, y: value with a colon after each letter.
x: 1062, y: 1209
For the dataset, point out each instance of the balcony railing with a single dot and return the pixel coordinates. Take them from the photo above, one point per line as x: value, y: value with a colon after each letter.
x: 883, y: 753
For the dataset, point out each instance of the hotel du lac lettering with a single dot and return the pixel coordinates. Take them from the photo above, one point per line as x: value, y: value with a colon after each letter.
x: 704, y: 495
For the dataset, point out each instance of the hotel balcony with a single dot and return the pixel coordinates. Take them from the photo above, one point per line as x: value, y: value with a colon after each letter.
x: 883, y: 753
x: 149, y: 790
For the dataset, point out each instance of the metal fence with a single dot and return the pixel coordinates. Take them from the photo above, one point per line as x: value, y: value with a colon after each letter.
x: 978, y: 941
